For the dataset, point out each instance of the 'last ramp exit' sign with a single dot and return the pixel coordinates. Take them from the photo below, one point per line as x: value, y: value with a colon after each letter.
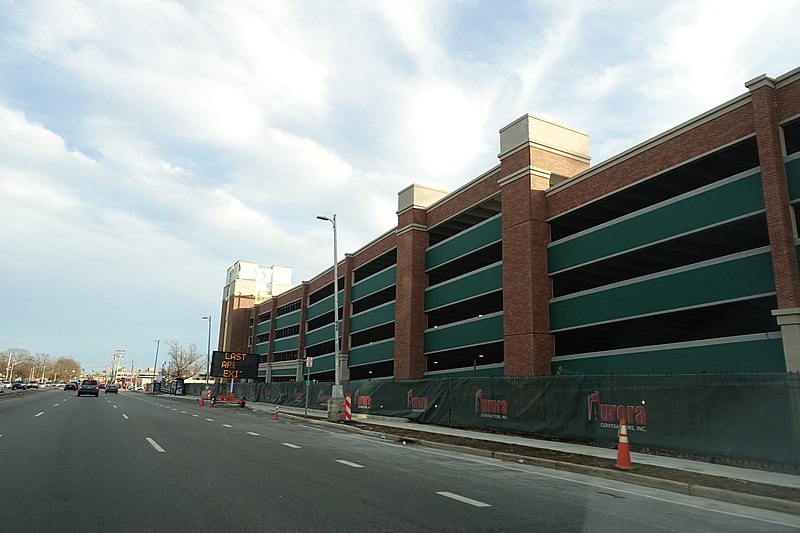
x: 235, y: 365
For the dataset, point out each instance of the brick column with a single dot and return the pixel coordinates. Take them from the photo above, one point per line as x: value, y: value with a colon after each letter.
x: 301, y: 340
x: 410, y: 323
x: 780, y: 225
x: 527, y: 343
x: 532, y: 149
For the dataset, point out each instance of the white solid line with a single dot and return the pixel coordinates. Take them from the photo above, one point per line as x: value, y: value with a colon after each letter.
x: 295, y: 446
x: 348, y: 463
x: 124, y: 416
x: 463, y: 499
x: 249, y: 433
x: 40, y: 414
x: 227, y: 425
x: 210, y: 419
x: 155, y: 445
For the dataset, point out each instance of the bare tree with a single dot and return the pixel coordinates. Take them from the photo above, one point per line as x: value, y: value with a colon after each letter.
x: 184, y: 362
x: 66, y: 369
x: 17, y: 363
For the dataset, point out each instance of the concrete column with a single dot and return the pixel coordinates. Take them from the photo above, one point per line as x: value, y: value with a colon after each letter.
x: 789, y: 321
x: 780, y: 223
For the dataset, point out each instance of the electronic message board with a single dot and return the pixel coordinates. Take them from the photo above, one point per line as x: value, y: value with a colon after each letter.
x: 236, y: 365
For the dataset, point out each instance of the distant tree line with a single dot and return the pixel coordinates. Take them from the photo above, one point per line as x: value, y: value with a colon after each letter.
x: 20, y: 364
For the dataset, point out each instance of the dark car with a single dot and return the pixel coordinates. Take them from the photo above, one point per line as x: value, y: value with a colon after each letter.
x: 71, y: 386
x: 19, y: 385
x: 112, y: 387
x: 89, y: 386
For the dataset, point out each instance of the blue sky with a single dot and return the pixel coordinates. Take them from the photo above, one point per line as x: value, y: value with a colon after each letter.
x: 145, y: 146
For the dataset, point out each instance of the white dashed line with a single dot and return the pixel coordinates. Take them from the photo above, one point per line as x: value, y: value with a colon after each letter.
x: 174, y: 409
x: 463, y: 499
x: 56, y: 404
x: 227, y: 425
x: 210, y: 419
x: 124, y: 416
x: 115, y: 407
x: 348, y: 463
x: 40, y: 414
x: 194, y: 415
x: 155, y: 445
x: 183, y: 412
x: 249, y: 433
x: 295, y: 446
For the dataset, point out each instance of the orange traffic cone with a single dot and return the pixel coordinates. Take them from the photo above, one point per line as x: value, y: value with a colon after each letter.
x: 623, y: 450
x: 275, y: 417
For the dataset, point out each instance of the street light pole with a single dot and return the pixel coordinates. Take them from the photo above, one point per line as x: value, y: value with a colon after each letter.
x: 208, y: 351
x: 153, y: 384
x: 337, y: 390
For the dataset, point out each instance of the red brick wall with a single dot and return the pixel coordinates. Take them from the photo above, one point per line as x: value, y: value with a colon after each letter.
x: 788, y: 101
x: 734, y: 125
x: 776, y: 198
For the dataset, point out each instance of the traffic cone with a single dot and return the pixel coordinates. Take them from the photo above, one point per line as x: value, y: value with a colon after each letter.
x: 202, y: 401
x: 275, y: 416
x: 623, y: 450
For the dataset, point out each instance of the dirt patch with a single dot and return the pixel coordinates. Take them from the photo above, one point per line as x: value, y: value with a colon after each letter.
x: 680, y: 476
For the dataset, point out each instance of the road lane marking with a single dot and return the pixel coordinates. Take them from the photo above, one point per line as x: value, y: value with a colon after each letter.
x: 115, y: 407
x: 463, y: 499
x: 40, y: 414
x: 155, y: 445
x: 210, y: 419
x: 249, y: 433
x: 315, y: 429
x: 194, y: 415
x: 348, y: 463
x: 124, y: 416
x: 227, y: 425
x: 183, y: 412
x: 56, y: 404
x: 174, y: 409
x: 296, y: 447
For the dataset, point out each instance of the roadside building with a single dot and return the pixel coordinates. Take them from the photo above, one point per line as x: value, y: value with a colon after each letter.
x: 677, y: 255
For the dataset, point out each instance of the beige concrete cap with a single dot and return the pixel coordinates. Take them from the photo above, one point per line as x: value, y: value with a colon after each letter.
x: 418, y: 196
x: 546, y: 134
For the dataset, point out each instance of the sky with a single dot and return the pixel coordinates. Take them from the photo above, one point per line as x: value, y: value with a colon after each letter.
x: 146, y: 146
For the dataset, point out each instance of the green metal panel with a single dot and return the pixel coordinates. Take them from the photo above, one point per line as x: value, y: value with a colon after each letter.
x: 467, y: 373
x: 738, y: 278
x: 690, y: 213
x: 289, y: 319
x: 289, y: 343
x: 793, y: 178
x: 263, y: 348
x: 754, y: 356
x: 474, y: 284
x: 371, y: 353
x: 284, y: 372
x: 322, y: 334
x: 375, y: 283
x: 324, y: 306
x: 322, y: 363
x: 373, y: 317
x: 263, y: 328
x: 479, y: 331
x: 262, y: 373
x: 475, y: 238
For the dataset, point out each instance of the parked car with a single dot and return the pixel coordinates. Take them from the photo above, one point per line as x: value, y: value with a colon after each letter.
x: 112, y: 387
x: 19, y: 385
x: 71, y: 386
x: 33, y: 385
x: 89, y: 386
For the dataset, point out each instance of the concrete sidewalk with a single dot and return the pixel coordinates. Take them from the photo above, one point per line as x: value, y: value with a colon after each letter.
x: 747, y: 475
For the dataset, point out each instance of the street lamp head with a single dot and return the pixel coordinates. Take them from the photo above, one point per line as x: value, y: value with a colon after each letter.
x: 205, y: 318
x: 324, y: 218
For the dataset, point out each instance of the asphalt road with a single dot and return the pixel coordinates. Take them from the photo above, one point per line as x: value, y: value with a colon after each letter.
x: 132, y: 462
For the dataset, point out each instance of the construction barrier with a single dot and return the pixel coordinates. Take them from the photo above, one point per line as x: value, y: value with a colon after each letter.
x: 348, y: 407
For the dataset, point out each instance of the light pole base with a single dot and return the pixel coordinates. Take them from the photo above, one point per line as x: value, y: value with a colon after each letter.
x: 336, y: 410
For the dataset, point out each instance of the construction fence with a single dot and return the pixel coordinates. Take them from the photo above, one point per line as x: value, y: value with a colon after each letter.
x: 726, y: 417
